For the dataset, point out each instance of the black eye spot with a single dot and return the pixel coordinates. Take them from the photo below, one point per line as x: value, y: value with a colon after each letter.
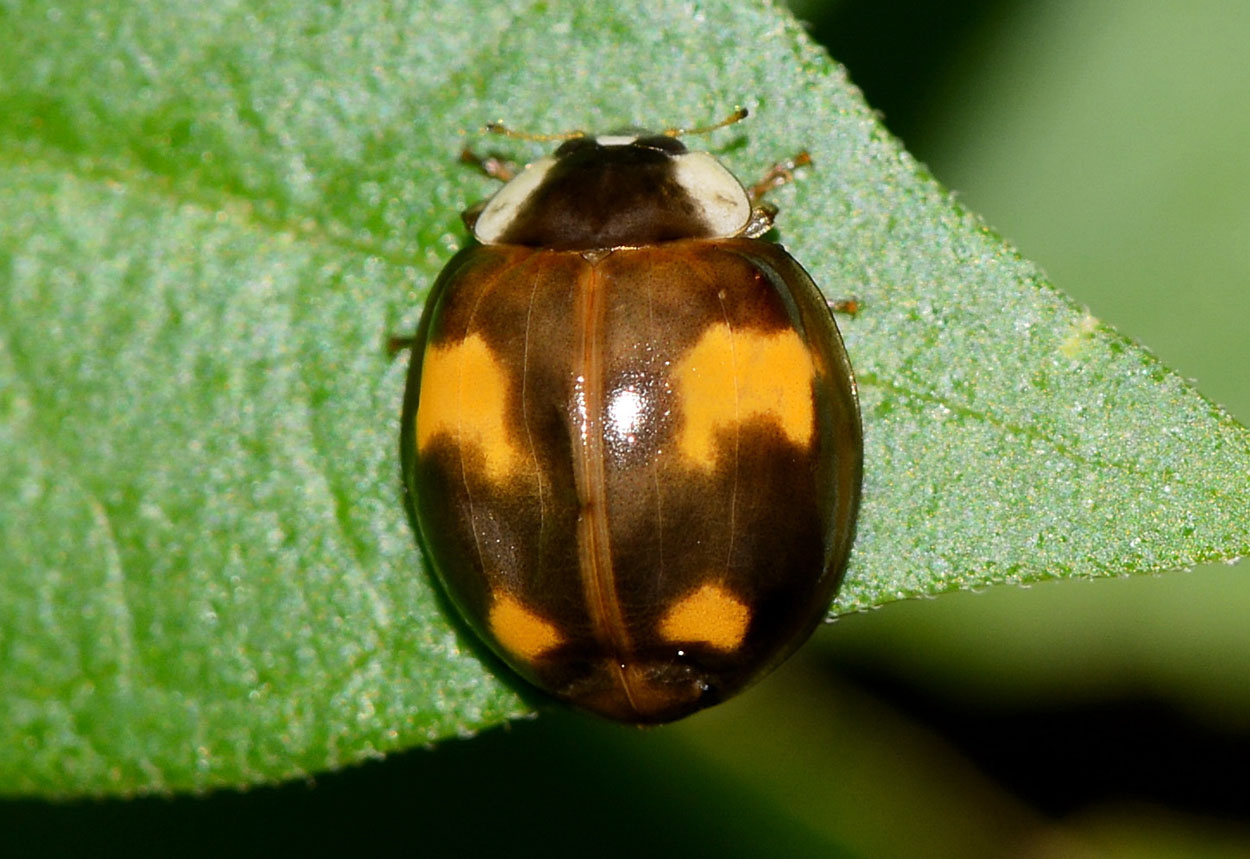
x: 662, y: 142
x: 577, y: 144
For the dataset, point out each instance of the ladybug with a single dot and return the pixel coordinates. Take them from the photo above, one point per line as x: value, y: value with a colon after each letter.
x: 631, y: 443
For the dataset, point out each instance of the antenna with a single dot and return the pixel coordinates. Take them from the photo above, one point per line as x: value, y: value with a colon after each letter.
x: 500, y: 128
x: 739, y: 114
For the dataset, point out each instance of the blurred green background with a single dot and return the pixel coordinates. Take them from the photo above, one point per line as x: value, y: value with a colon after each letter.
x: 1107, y: 140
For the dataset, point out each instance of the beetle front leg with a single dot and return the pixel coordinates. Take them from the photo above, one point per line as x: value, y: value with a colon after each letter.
x: 492, y: 164
x: 779, y: 174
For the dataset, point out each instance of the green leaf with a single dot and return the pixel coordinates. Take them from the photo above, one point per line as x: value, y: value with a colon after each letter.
x: 215, y: 216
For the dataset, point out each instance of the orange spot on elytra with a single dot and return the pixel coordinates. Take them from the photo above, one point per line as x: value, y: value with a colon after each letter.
x: 733, y: 376
x: 711, y: 615
x: 464, y: 394
x: 519, y: 630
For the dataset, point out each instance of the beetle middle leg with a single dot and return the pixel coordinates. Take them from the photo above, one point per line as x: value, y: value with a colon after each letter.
x: 848, y: 306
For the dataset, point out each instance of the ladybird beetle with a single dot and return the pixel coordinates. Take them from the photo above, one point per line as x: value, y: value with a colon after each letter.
x: 631, y: 441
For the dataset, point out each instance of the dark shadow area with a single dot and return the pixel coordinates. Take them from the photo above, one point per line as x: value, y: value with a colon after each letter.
x: 902, y: 53
x: 561, y: 785
x: 1073, y: 756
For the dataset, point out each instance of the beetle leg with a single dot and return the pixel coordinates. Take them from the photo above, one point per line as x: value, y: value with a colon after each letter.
x: 778, y: 175
x: 849, y: 306
x: 494, y: 166
x: 762, y: 217
x: 396, y: 344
